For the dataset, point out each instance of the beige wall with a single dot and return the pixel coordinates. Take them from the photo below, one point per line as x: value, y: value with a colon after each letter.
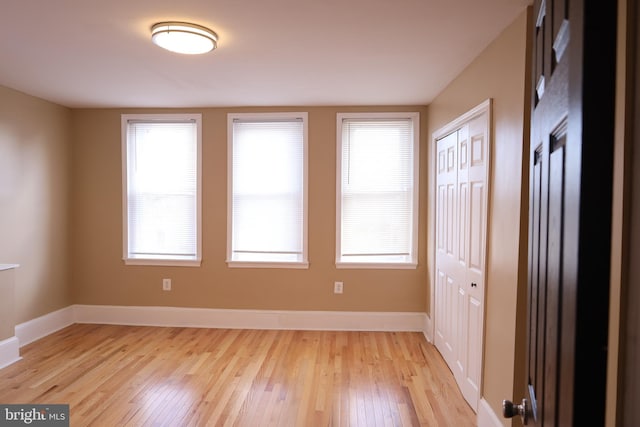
x: 34, y: 181
x: 7, y: 316
x: 100, y: 276
x: 498, y: 73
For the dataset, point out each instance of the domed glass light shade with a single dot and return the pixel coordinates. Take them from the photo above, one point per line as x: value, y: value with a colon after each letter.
x: 183, y: 37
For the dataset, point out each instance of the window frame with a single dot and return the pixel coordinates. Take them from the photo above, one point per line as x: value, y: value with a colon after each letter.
x: 266, y: 117
x: 161, y: 118
x: 378, y: 264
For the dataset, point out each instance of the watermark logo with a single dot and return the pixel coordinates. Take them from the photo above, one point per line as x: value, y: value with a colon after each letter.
x: 34, y: 415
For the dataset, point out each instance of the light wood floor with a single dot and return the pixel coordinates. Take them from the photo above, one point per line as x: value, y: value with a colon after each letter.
x: 147, y: 376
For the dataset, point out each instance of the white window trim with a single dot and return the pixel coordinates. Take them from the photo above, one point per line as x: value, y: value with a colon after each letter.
x: 304, y: 264
x: 125, y: 118
x: 415, y: 118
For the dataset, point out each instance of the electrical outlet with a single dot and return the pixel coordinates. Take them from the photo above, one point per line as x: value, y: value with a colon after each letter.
x: 166, y: 284
x: 337, y: 287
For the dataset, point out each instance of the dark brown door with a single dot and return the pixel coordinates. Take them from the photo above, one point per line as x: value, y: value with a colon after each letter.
x: 570, y: 181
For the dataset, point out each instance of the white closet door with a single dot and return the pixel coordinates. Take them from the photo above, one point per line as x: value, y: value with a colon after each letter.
x: 461, y: 182
x: 447, y: 280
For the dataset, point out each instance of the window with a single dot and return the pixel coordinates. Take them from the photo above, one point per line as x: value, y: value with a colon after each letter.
x: 377, y: 190
x: 161, y: 195
x: 267, y: 190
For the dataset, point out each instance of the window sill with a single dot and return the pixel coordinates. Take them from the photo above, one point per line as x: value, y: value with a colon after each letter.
x: 377, y: 265
x: 163, y: 262
x: 256, y: 264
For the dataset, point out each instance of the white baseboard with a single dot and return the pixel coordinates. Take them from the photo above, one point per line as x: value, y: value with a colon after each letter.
x: 428, y: 329
x: 9, y: 351
x: 488, y: 418
x: 42, y: 326
x: 249, y: 319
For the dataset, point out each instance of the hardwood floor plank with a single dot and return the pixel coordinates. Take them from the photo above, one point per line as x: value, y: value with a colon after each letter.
x: 144, y: 376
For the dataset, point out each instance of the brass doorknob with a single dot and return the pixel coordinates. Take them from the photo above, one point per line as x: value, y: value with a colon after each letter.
x: 510, y: 410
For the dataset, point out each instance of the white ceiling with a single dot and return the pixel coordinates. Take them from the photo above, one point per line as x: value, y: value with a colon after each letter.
x: 91, y: 53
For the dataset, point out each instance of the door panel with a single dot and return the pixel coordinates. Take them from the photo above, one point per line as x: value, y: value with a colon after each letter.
x: 462, y: 179
x: 474, y: 344
x: 554, y: 279
x: 450, y: 219
x: 446, y: 222
x: 570, y: 178
x: 461, y: 350
x: 477, y: 219
x: 461, y: 221
x: 476, y: 213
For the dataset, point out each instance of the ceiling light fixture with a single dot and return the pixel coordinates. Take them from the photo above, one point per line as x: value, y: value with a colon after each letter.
x: 183, y: 37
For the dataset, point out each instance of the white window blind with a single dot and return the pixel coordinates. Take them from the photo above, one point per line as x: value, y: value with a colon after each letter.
x: 162, y: 188
x: 267, y: 189
x: 377, y: 201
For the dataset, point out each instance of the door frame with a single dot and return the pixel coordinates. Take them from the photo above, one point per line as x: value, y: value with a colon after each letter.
x: 484, y: 107
x: 626, y: 411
